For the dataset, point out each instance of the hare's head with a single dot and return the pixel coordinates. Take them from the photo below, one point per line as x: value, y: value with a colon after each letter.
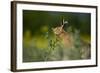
x: 59, y: 29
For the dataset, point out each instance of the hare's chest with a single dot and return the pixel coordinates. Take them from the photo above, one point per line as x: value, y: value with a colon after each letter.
x: 66, y: 40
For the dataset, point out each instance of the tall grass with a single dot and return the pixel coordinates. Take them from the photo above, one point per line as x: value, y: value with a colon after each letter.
x: 54, y: 50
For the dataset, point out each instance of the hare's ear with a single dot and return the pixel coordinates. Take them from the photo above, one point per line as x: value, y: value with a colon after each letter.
x: 62, y: 23
x: 62, y: 26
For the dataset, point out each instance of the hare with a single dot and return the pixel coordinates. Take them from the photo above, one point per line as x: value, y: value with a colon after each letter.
x: 63, y: 36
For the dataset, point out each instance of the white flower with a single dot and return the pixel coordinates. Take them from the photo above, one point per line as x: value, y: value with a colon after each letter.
x: 65, y: 22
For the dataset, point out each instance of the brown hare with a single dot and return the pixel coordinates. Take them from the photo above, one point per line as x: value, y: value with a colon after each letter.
x: 63, y: 36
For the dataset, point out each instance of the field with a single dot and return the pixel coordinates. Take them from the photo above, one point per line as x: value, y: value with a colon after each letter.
x: 41, y: 44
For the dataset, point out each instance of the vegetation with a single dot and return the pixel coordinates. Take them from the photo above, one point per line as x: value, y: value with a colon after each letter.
x: 40, y: 43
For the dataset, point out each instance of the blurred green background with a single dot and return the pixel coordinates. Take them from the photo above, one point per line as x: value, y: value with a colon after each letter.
x: 39, y: 42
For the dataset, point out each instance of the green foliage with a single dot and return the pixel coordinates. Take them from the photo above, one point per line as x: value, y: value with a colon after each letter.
x: 40, y: 43
x: 55, y: 51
